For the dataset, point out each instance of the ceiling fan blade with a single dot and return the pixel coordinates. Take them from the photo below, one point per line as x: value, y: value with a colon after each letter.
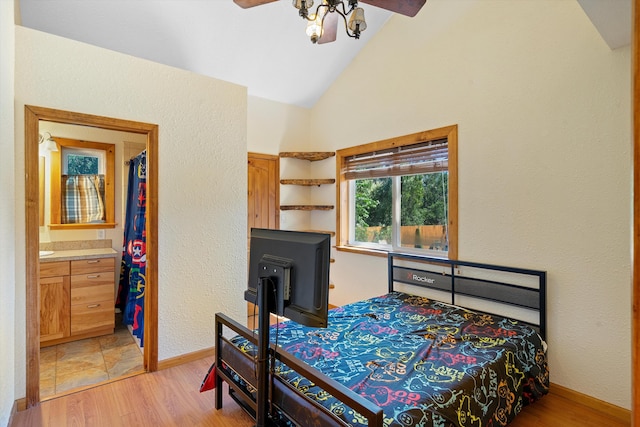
x: 329, y: 28
x: 403, y: 7
x: 245, y: 4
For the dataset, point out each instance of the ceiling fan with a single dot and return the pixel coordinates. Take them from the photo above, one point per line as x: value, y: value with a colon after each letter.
x: 322, y: 24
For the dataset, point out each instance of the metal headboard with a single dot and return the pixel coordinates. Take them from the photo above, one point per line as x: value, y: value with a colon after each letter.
x: 472, y: 281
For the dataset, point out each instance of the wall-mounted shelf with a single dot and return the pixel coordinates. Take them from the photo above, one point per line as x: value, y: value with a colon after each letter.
x: 312, y: 156
x: 307, y: 182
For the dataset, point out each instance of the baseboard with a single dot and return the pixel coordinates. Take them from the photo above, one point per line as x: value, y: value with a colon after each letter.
x: 21, y: 404
x: 18, y: 405
x: 14, y: 409
x: 600, y: 405
x: 186, y: 358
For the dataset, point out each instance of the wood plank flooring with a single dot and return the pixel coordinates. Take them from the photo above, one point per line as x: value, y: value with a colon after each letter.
x: 171, y: 398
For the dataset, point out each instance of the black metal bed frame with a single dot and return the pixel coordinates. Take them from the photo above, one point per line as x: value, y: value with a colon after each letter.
x: 298, y: 407
x: 304, y: 411
x: 455, y: 283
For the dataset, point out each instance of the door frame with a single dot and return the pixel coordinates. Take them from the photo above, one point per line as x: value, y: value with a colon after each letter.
x: 276, y: 159
x: 251, y: 312
x: 33, y: 115
x: 635, y: 322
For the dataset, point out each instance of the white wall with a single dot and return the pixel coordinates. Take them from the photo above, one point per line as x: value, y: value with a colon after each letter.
x: 543, y: 108
x: 202, y: 158
x: 8, y: 314
x: 273, y: 127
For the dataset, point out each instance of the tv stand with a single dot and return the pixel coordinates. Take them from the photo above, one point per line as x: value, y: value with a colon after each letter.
x: 288, y: 276
x: 265, y: 287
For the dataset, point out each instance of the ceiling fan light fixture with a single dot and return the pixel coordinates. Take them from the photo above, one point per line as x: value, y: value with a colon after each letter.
x: 303, y: 7
x: 302, y: 4
x: 348, y: 11
x: 357, y: 23
x: 314, y: 29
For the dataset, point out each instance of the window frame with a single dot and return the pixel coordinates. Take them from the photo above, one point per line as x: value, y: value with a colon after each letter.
x: 343, y: 199
x: 55, y: 222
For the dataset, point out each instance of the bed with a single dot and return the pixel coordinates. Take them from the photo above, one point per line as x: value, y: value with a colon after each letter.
x: 452, y: 343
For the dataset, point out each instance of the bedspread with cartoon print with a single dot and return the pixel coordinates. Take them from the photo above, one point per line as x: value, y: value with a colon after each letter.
x: 423, y: 362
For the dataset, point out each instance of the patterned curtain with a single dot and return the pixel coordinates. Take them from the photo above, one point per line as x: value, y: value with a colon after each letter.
x: 131, y: 288
x: 82, y: 199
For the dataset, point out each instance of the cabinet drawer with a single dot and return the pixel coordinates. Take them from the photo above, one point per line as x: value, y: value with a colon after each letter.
x: 95, y: 265
x: 91, y: 294
x: 93, y: 279
x: 86, y: 317
x: 53, y: 269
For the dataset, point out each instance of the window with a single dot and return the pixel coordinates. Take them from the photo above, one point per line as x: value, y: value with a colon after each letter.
x: 82, y: 189
x: 400, y: 194
x: 77, y: 162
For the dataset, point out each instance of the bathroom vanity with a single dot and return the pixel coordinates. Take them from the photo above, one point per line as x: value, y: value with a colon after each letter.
x: 77, y: 289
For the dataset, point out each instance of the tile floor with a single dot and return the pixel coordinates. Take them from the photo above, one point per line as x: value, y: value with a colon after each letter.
x: 64, y: 367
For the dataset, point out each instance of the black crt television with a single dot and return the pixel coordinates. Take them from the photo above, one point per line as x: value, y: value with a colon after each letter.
x: 297, y: 265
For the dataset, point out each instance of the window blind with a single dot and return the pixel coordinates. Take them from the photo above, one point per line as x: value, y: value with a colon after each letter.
x: 419, y: 158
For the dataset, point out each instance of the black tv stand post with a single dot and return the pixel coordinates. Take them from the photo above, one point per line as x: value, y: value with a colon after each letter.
x: 266, y: 286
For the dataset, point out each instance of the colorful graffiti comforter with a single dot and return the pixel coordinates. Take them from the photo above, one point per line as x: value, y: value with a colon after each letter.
x: 423, y: 362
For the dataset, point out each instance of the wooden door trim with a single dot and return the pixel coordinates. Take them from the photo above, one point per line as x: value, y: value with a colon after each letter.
x: 32, y: 116
x: 276, y: 159
x: 635, y: 324
x: 253, y: 155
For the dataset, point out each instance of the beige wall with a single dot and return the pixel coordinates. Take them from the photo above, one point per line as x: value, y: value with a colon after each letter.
x: 202, y: 158
x: 273, y: 127
x: 7, y: 215
x: 543, y: 108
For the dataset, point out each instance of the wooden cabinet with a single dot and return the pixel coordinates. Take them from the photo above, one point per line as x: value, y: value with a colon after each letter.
x: 54, y: 301
x: 76, y: 299
x: 92, y: 293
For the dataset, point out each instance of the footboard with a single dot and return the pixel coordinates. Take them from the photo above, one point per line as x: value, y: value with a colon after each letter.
x: 288, y: 400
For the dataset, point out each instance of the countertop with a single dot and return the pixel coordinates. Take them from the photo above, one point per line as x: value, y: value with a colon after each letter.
x: 76, y: 254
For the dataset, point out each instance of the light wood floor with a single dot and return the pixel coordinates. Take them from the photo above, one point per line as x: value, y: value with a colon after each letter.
x: 171, y: 398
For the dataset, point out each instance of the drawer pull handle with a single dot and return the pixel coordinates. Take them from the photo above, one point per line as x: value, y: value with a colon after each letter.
x: 95, y: 276
x: 93, y: 306
x: 95, y: 261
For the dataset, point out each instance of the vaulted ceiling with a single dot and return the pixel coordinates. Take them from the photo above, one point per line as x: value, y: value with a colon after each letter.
x: 263, y: 48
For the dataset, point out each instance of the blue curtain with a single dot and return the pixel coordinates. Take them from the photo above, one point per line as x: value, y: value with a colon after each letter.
x: 131, y: 288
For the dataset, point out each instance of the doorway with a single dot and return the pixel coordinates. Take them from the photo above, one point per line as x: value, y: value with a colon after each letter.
x: 33, y: 116
x: 263, y: 172
x: 263, y: 200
